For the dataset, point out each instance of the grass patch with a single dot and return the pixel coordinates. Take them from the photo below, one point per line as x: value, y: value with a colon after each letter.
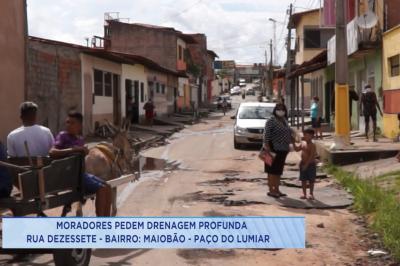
x: 380, y: 205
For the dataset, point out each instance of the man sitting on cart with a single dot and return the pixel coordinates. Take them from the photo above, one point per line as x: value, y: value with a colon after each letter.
x: 70, y: 142
x: 31, y: 137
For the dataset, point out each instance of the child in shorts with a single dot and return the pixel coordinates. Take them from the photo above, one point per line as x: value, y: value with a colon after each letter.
x: 308, y: 165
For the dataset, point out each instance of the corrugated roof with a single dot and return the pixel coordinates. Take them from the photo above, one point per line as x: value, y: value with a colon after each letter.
x: 317, y: 62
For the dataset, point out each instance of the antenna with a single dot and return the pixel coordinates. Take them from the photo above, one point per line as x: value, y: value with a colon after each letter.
x: 367, y: 20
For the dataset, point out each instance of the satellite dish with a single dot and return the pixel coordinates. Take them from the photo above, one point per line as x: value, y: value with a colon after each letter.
x: 367, y: 20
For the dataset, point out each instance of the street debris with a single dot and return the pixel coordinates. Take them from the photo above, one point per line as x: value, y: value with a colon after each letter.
x: 321, y: 225
x: 376, y: 253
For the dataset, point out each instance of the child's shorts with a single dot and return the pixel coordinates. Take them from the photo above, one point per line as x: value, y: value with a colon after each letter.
x: 92, y: 183
x: 309, y: 174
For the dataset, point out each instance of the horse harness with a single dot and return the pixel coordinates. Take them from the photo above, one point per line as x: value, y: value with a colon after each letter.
x: 111, y: 153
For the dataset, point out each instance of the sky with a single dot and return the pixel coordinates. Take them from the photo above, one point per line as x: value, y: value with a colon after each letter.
x: 237, y: 30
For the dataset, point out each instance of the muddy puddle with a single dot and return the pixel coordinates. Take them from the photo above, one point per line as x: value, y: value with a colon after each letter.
x: 151, y: 169
x: 146, y: 164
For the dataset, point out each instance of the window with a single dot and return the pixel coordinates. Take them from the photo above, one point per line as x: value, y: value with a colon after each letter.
x: 107, y: 84
x: 163, y: 89
x: 394, y: 64
x: 157, y: 87
x: 98, y: 82
x: 150, y: 84
x: 142, y: 92
x: 312, y: 38
x: 180, y: 52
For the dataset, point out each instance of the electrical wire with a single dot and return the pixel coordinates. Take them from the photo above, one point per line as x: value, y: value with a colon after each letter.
x: 183, y: 11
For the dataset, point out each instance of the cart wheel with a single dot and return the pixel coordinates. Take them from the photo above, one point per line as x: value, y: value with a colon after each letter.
x: 72, y: 257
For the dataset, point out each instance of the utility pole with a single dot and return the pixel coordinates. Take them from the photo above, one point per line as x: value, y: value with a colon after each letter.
x: 288, y: 64
x: 342, y: 124
x: 265, y: 76
x: 274, y: 28
x: 271, y: 71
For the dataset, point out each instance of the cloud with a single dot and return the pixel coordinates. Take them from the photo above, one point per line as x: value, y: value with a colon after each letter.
x: 236, y: 29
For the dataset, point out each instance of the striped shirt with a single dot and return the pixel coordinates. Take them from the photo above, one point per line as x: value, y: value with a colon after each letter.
x: 278, y: 134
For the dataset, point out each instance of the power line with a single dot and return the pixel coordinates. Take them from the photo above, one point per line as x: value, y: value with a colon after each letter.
x: 183, y: 11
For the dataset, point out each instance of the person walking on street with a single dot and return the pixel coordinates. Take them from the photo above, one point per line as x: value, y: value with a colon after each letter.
x: 224, y: 105
x: 149, y: 111
x: 315, y: 117
x: 277, y: 139
x: 369, y: 103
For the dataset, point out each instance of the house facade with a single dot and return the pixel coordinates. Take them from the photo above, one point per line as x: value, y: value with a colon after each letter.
x: 311, y: 40
x: 101, y: 84
x: 211, y: 80
x: 163, y: 45
x: 364, y: 49
x: 391, y: 70
x: 13, y: 66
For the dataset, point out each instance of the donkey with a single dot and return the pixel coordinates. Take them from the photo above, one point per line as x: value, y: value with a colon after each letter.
x: 108, y: 161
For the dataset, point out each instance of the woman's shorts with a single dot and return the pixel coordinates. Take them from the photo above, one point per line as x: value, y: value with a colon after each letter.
x: 277, y: 164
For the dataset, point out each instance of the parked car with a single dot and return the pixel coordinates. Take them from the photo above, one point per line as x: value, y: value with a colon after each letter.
x: 221, y: 98
x: 250, y: 91
x: 250, y: 122
x: 236, y: 90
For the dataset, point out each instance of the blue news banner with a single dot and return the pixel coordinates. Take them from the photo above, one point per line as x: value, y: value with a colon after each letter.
x: 154, y: 232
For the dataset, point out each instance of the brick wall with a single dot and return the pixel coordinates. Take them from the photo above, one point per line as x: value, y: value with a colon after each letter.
x: 392, y: 8
x: 54, y: 82
x: 12, y: 64
x: 156, y: 44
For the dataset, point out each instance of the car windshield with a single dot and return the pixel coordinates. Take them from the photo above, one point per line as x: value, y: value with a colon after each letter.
x: 255, y: 112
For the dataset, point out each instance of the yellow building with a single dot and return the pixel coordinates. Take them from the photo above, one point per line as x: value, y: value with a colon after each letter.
x: 311, y: 40
x: 391, y: 82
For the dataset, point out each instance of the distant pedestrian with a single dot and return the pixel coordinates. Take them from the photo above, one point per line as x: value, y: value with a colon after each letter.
x: 316, y: 117
x: 224, y: 105
x: 149, y: 112
x: 277, y: 139
x: 369, y: 103
x: 308, y: 165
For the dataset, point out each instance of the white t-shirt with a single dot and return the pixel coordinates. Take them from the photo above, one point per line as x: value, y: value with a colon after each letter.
x: 39, y: 139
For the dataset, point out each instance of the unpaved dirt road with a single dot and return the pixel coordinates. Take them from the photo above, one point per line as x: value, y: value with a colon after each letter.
x: 205, y: 153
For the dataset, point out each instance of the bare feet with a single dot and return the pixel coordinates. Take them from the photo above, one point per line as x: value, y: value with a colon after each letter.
x: 303, y: 197
x: 311, y: 197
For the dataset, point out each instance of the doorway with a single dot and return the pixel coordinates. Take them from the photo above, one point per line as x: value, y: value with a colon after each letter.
x: 175, y: 100
x: 116, y: 100
x: 132, y: 100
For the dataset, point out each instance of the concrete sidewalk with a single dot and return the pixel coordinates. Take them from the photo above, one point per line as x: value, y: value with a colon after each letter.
x: 361, y: 150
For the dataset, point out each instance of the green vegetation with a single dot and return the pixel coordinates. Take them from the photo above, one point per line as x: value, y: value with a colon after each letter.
x: 378, y: 199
